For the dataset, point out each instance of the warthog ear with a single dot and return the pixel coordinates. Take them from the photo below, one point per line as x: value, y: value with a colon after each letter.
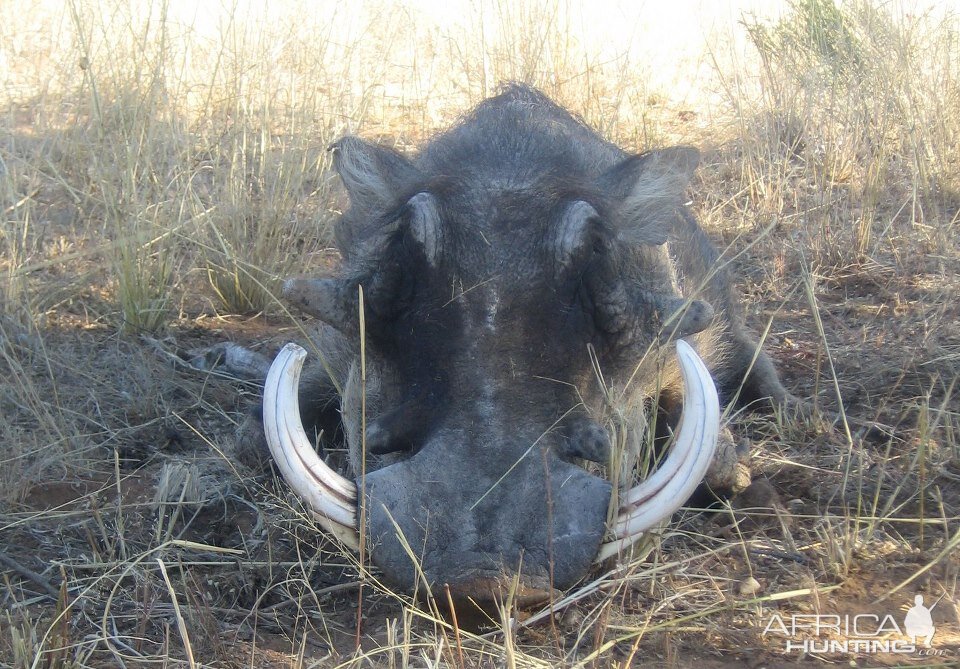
x: 374, y: 175
x: 573, y: 232
x: 647, y: 189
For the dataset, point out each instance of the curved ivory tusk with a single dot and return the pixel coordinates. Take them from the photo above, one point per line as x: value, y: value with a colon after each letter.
x: 331, y: 497
x: 671, y: 485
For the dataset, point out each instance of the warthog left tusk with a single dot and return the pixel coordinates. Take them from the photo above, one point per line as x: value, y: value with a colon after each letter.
x: 331, y: 497
x: 654, y: 500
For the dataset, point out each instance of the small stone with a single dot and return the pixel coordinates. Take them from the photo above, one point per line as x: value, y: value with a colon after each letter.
x: 571, y: 619
x: 748, y: 586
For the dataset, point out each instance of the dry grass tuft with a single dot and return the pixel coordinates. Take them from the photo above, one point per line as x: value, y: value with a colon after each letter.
x: 163, y: 165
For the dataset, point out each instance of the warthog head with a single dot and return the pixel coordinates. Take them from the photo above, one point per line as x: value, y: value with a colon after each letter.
x: 513, y: 275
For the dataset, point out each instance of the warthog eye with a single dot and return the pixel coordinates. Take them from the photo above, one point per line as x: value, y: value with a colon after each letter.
x: 390, y: 290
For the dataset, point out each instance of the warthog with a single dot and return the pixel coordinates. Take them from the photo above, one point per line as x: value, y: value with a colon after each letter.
x: 515, y: 278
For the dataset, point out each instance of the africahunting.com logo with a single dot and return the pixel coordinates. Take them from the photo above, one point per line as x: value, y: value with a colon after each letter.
x: 860, y: 634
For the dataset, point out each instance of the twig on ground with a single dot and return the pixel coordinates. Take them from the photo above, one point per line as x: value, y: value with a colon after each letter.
x: 31, y: 576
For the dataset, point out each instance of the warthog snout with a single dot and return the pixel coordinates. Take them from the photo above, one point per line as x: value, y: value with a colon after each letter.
x: 538, y: 520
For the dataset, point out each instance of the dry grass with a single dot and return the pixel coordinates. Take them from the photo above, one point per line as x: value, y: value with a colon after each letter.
x: 161, y: 167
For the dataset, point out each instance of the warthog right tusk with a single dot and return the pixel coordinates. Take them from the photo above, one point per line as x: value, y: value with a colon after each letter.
x: 665, y: 491
x: 331, y: 497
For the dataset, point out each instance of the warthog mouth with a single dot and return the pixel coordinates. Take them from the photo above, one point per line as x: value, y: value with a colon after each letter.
x: 333, y: 499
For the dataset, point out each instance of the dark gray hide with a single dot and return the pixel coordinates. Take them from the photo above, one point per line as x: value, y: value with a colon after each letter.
x: 490, y: 263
